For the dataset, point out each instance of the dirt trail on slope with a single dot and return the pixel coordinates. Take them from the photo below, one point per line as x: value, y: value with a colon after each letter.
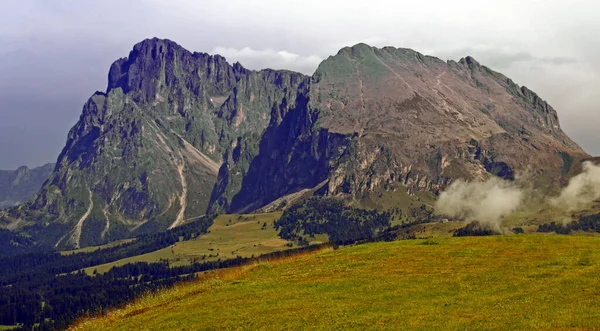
x: 195, y: 155
x: 107, y: 227
x: 183, y: 197
x: 76, y: 237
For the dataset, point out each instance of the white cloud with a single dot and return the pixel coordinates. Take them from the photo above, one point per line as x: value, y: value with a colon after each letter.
x: 487, y: 202
x: 269, y: 58
x: 491, y: 200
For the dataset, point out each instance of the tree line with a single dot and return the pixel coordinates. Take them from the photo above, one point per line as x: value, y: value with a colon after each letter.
x: 341, y: 223
x: 588, y: 223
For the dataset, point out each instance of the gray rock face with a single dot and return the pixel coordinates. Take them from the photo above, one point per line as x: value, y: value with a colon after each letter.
x: 179, y: 133
x: 371, y: 117
x: 145, y: 154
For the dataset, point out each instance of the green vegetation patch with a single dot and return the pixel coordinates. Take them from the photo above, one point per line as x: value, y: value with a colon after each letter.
x: 230, y: 235
x: 342, y: 224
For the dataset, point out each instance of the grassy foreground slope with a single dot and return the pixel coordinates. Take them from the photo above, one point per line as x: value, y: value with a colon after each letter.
x: 498, y: 282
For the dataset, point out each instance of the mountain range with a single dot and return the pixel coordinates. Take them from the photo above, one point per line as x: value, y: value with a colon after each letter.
x: 18, y: 186
x: 177, y: 135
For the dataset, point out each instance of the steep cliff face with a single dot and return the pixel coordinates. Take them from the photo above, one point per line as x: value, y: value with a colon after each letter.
x: 22, y: 184
x: 145, y: 154
x: 179, y: 133
x: 293, y: 154
x: 371, y: 117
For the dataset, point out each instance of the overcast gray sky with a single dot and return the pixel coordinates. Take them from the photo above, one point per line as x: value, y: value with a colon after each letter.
x: 55, y: 54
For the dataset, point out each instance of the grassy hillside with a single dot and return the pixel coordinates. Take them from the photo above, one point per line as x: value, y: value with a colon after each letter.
x: 230, y: 236
x: 498, y: 282
x: 90, y: 249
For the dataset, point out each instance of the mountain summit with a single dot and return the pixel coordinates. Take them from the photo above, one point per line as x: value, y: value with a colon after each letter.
x: 145, y: 154
x: 177, y: 134
x: 372, y: 117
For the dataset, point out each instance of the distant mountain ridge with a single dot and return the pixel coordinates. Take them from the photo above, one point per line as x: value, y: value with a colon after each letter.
x: 18, y: 186
x: 179, y: 134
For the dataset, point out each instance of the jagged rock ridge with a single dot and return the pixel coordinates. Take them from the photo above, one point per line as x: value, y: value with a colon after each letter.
x: 179, y: 133
x: 145, y: 154
x: 372, y: 117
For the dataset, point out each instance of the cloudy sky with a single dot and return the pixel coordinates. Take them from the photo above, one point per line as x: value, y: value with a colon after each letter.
x: 55, y: 54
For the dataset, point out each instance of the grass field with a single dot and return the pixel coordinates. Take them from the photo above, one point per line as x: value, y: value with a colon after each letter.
x: 500, y: 282
x: 229, y: 236
x: 90, y: 249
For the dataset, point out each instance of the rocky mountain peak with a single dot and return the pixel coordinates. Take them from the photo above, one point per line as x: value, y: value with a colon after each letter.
x: 22, y: 170
x: 156, y: 64
x: 144, y: 155
x: 179, y: 134
x: 469, y: 61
